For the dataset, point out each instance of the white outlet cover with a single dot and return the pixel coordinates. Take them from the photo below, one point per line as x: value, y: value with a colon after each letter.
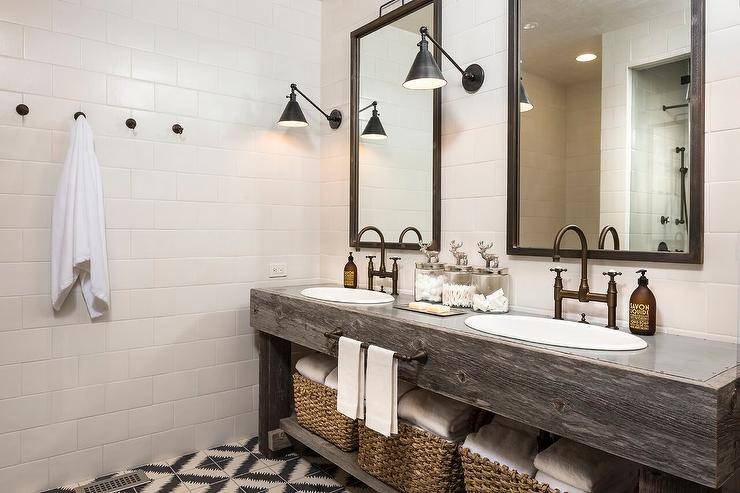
x: 278, y: 270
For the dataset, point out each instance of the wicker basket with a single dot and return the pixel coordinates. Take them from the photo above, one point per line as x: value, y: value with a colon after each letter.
x: 485, y: 476
x: 316, y: 410
x: 414, y: 461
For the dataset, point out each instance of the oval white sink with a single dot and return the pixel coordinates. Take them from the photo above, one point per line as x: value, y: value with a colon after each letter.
x: 555, y: 332
x: 344, y: 295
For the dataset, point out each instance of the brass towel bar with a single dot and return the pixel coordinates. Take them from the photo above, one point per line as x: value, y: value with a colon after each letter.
x: 420, y: 356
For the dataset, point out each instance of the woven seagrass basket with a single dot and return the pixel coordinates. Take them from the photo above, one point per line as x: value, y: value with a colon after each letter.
x: 485, y: 476
x: 316, y: 410
x: 414, y: 461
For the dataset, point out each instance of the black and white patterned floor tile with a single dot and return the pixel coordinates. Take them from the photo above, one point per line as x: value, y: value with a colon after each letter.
x: 295, y: 469
x: 316, y: 483
x: 203, y: 476
x: 156, y: 470
x: 190, y: 461
x: 63, y: 489
x: 259, y: 481
x: 241, y: 465
x: 228, y: 451
x: 167, y: 484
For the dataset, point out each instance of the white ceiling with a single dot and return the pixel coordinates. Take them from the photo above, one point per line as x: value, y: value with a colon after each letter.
x: 568, y: 28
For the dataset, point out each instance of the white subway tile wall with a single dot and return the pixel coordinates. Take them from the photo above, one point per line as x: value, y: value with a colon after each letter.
x: 700, y: 301
x: 193, y: 222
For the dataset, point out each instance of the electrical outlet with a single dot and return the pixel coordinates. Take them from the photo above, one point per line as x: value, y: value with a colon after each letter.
x: 277, y: 440
x: 278, y: 270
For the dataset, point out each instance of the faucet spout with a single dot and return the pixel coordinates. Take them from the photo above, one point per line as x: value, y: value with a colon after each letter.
x: 615, y: 236
x: 583, y: 288
x: 382, y: 244
x: 410, y: 228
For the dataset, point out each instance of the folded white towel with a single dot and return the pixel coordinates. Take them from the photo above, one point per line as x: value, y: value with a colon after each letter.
x: 381, y: 398
x: 332, y: 378
x: 511, y: 447
x: 621, y: 485
x: 316, y: 366
x: 78, y: 245
x: 351, y: 378
x: 438, y: 414
x: 583, y: 467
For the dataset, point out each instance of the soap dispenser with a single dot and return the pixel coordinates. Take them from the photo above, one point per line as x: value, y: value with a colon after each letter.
x: 642, y: 308
x: 350, y: 273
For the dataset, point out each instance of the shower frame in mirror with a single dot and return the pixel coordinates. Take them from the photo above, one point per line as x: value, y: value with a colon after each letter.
x: 354, y: 167
x: 695, y: 255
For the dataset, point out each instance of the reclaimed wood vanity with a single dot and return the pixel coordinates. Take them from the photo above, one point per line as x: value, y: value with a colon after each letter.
x: 670, y: 407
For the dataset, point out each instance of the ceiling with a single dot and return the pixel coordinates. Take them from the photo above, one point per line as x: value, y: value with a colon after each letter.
x: 567, y: 28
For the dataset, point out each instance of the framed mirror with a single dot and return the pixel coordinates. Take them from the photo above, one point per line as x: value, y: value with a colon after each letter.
x: 606, y: 128
x: 394, y: 132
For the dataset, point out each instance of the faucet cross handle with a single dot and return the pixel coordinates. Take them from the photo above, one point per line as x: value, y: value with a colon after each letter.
x: 558, y: 270
x: 612, y: 274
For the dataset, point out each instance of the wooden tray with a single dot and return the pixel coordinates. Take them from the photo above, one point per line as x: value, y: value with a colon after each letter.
x: 452, y: 312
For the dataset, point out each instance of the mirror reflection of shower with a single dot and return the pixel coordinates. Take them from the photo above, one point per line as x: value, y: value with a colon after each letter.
x: 659, y: 166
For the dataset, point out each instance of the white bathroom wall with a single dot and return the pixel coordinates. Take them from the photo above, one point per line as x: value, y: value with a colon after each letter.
x: 192, y: 222
x: 697, y: 300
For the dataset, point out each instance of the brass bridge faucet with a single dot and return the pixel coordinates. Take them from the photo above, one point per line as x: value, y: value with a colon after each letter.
x: 583, y: 294
x: 382, y: 272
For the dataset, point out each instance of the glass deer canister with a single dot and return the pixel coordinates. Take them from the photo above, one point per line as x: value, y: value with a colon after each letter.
x: 491, y: 283
x: 457, y: 290
x: 429, y: 276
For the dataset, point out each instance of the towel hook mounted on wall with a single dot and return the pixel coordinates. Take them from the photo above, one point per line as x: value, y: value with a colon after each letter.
x: 22, y: 109
x: 131, y: 123
x: 177, y: 128
x: 79, y: 114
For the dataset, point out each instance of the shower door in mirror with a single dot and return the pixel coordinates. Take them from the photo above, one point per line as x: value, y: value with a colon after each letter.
x: 608, y: 101
x: 395, y: 148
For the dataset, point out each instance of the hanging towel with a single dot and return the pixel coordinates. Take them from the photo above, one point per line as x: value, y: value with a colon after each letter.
x: 351, y: 379
x: 441, y: 415
x: 403, y: 386
x: 512, y: 447
x: 583, y: 467
x: 382, y: 391
x: 78, y: 248
x: 316, y: 366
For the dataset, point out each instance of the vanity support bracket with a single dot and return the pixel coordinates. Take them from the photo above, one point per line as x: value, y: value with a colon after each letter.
x: 275, y: 381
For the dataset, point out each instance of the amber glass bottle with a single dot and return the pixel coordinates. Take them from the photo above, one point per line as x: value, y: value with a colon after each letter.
x: 642, y: 308
x: 350, y: 273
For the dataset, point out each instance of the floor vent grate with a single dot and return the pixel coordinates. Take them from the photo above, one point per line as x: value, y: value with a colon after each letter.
x: 114, y: 484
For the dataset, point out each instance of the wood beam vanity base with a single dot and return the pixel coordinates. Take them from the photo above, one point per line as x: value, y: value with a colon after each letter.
x: 681, y: 426
x: 275, y: 375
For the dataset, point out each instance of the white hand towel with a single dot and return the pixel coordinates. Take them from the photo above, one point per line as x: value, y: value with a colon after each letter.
x: 381, y: 396
x: 583, y: 467
x: 78, y: 246
x: 514, y: 448
x: 351, y: 378
x: 622, y: 485
x: 403, y: 387
x: 441, y: 415
x: 316, y: 366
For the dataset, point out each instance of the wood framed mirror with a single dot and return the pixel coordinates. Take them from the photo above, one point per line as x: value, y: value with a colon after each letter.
x: 395, y: 177
x: 606, y: 128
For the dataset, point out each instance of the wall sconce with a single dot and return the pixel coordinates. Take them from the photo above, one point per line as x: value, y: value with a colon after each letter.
x: 293, y: 115
x: 374, y: 129
x: 524, y: 103
x: 425, y: 73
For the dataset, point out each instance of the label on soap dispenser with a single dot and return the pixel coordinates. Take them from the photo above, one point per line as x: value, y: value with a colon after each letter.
x: 640, y: 317
x: 349, y: 279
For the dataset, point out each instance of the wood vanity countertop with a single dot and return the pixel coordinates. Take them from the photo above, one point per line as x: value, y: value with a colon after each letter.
x: 669, y: 406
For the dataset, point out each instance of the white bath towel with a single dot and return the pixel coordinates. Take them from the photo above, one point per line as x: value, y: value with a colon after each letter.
x: 403, y: 387
x: 351, y: 378
x: 78, y: 247
x: 441, y: 415
x: 624, y: 485
x: 583, y: 467
x: 512, y: 447
x: 316, y: 366
x: 381, y: 398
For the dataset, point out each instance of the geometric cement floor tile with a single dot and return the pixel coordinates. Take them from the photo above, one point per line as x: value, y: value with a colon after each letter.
x: 222, y: 487
x: 190, y: 461
x: 228, y: 451
x: 295, y: 469
x: 259, y: 481
x: 196, y: 478
x: 318, y: 483
x: 156, y: 470
x: 241, y: 465
x: 167, y: 484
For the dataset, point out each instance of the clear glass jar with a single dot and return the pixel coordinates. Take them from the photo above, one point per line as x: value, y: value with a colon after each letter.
x: 428, y: 282
x: 487, y: 281
x: 457, y: 290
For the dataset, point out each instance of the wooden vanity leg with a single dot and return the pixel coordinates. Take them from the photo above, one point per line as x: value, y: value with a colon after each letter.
x: 652, y: 481
x: 275, y: 387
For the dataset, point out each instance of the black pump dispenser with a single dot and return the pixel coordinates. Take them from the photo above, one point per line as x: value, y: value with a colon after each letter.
x: 642, y: 280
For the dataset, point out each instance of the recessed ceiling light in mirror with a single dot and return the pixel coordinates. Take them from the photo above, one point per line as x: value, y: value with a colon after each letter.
x: 530, y: 26
x: 586, y: 57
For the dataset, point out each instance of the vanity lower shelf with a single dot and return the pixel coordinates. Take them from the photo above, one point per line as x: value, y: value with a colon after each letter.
x: 346, y: 460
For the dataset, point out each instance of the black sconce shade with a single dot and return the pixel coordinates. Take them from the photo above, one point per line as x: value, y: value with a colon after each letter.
x: 426, y: 74
x: 374, y: 129
x: 293, y: 115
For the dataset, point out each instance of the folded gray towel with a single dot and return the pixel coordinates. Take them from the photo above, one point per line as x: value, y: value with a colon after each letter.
x: 316, y: 366
x: 438, y: 414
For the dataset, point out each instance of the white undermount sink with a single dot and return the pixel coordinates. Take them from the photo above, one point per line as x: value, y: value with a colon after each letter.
x: 344, y: 295
x: 555, y: 332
